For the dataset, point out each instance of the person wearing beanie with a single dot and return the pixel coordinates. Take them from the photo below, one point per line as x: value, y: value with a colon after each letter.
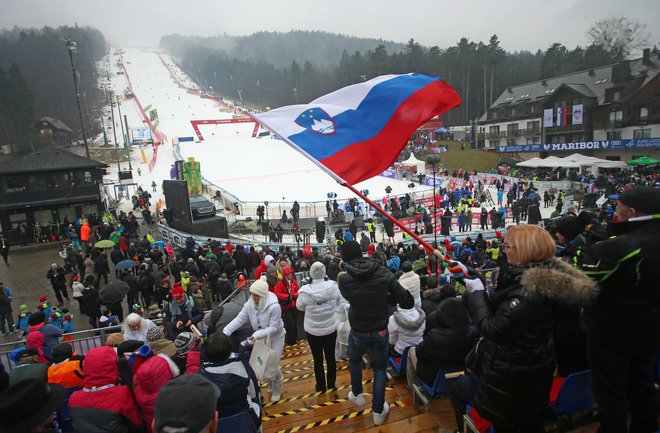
x: 66, y: 369
x: 262, y: 268
x: 286, y: 291
x: 52, y: 334
x: 22, y: 320
x: 623, y: 323
x: 369, y: 287
x: 263, y: 312
x: 323, y: 305
x: 410, y: 281
x: 181, y: 312
x: 44, y: 306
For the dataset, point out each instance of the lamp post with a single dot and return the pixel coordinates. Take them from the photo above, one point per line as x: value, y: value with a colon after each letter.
x: 124, y: 134
x: 114, y: 132
x: 71, y: 46
x: 434, y: 160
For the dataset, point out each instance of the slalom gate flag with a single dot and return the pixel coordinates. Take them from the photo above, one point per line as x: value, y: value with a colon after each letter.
x: 356, y: 132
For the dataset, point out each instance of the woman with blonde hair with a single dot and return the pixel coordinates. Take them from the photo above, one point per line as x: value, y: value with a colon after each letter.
x: 509, y: 372
x: 135, y: 327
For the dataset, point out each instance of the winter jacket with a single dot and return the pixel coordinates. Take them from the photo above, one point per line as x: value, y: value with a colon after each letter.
x: 85, y: 230
x: 102, y: 405
x: 370, y: 288
x: 89, y: 266
x: 266, y: 321
x: 221, y: 315
x: 322, y: 302
x: 627, y: 268
x: 394, y: 263
x: 192, y: 310
x: 52, y: 336
x: 238, y: 385
x: 56, y: 277
x: 91, y: 301
x: 35, y: 340
x: 140, y: 334
x: 410, y: 281
x: 5, y: 304
x: 67, y: 373
x: 516, y: 354
x: 447, y: 341
x: 406, y: 328
x: 287, y: 293
x: 149, y: 378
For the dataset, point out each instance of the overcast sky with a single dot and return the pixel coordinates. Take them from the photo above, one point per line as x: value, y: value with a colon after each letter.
x: 519, y: 24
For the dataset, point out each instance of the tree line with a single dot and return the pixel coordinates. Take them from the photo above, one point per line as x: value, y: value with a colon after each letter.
x: 479, y: 71
x: 36, y: 79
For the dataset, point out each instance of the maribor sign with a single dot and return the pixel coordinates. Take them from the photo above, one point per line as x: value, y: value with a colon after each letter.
x: 638, y: 143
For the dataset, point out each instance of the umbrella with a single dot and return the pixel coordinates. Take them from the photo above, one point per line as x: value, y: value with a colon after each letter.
x: 643, y: 160
x: 160, y: 244
x: 534, y: 196
x: 613, y: 196
x: 125, y: 264
x: 114, y: 292
x: 105, y: 243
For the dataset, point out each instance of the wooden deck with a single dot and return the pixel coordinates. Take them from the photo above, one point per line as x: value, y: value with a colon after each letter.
x: 303, y: 409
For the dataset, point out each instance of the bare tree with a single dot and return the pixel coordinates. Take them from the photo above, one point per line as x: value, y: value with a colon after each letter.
x: 619, y: 36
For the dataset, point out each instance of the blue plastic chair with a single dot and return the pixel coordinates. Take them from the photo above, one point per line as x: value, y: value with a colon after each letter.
x: 574, y: 396
x: 440, y: 384
x: 239, y: 423
x: 64, y: 414
x: 401, y: 366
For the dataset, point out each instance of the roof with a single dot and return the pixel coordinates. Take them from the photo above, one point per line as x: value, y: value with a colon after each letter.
x: 48, y: 159
x: 56, y: 123
x: 590, y: 83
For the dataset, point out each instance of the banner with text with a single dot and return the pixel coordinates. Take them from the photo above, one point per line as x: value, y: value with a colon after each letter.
x: 636, y: 143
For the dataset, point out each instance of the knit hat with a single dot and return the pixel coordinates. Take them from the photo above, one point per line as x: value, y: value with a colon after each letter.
x: 571, y: 227
x: 268, y: 259
x: 156, y: 333
x: 114, y: 340
x: 24, y: 307
x: 42, y: 298
x: 183, y: 342
x: 270, y: 268
x: 644, y: 199
x: 317, y: 271
x: 177, y: 290
x: 371, y: 249
x: 129, y: 346
x: 187, y: 403
x: 260, y: 287
x: 62, y: 351
x: 350, y: 250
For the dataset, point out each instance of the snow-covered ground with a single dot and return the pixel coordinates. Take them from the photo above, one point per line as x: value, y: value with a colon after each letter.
x: 251, y: 169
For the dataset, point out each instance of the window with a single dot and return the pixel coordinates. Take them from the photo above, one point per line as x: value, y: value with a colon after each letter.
x: 62, y: 179
x: 532, y: 108
x: 616, y: 95
x: 534, y: 127
x: 493, y: 143
x: 36, y: 182
x: 642, y: 133
x: 578, y: 101
x: 614, y: 135
x: 511, y: 142
x: 493, y: 114
x: 560, y: 104
x: 643, y: 113
x: 513, y: 111
x: 533, y: 140
x: 615, y: 118
x: 512, y: 129
x: 494, y: 131
x: 558, y: 139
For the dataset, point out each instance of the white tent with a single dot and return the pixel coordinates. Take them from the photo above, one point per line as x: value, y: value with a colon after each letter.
x: 612, y: 164
x: 533, y: 162
x: 554, y: 162
x: 584, y: 159
x: 414, y: 162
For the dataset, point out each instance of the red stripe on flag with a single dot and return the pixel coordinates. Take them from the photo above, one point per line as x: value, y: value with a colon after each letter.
x: 366, y: 159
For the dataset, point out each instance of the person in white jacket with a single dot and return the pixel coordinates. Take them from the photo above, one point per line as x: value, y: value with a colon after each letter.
x: 322, y: 302
x: 135, y: 327
x: 265, y: 316
x: 406, y: 328
x: 410, y: 281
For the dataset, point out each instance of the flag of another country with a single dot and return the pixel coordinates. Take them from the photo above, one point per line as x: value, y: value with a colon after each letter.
x: 356, y: 132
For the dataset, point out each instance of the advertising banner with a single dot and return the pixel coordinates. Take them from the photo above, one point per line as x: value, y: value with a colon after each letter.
x: 547, y: 118
x: 192, y: 174
x: 636, y: 143
x: 578, y: 111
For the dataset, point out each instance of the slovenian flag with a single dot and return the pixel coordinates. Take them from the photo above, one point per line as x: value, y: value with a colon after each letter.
x: 356, y: 132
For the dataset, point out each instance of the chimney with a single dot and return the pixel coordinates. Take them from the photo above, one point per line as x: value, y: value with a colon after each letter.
x: 646, y: 56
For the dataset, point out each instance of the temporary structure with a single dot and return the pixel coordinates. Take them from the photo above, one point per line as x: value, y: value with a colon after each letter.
x: 414, y: 162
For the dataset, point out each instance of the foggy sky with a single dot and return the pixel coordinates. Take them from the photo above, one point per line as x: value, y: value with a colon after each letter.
x: 519, y: 24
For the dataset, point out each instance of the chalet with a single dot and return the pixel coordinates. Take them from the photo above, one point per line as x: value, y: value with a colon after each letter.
x: 47, y: 189
x: 53, y: 131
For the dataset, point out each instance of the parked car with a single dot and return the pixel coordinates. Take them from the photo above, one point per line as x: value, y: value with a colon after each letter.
x: 201, y: 207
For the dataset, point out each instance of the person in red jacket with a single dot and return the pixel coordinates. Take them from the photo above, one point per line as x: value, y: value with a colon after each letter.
x: 263, y: 266
x: 150, y: 377
x: 85, y: 230
x: 102, y: 405
x: 286, y: 291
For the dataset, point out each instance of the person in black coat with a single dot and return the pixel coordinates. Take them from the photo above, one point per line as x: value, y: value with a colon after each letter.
x: 58, y: 281
x: 448, y: 340
x: 445, y: 220
x: 511, y: 367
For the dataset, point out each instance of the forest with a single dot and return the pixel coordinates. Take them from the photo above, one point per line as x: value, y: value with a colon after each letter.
x: 479, y: 71
x: 36, y: 79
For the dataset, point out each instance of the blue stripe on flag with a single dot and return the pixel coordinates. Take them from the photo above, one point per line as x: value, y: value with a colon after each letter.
x: 367, y: 120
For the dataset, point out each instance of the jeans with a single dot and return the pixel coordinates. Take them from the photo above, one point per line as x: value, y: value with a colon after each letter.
x: 323, y: 345
x: 6, y: 317
x: 377, y: 342
x: 622, y: 377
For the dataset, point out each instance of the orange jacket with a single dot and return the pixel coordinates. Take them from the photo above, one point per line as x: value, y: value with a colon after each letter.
x: 67, y: 373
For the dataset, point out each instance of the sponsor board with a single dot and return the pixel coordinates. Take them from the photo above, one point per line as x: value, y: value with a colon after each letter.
x: 637, y: 143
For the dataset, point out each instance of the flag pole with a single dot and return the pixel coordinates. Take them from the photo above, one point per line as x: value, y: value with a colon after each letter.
x: 425, y: 244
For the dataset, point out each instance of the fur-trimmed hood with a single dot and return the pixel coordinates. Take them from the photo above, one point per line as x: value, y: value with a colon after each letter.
x: 410, y: 319
x: 557, y: 280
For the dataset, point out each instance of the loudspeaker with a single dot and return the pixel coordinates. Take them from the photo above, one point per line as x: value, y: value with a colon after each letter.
x: 167, y: 214
x: 177, y: 200
x: 265, y: 228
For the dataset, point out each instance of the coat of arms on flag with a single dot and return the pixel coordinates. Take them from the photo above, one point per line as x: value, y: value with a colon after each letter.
x: 317, y: 120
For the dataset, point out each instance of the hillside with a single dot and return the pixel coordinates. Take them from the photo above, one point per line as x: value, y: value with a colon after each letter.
x: 468, y: 159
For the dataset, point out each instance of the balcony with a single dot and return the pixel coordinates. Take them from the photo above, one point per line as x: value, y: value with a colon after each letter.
x: 564, y: 128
